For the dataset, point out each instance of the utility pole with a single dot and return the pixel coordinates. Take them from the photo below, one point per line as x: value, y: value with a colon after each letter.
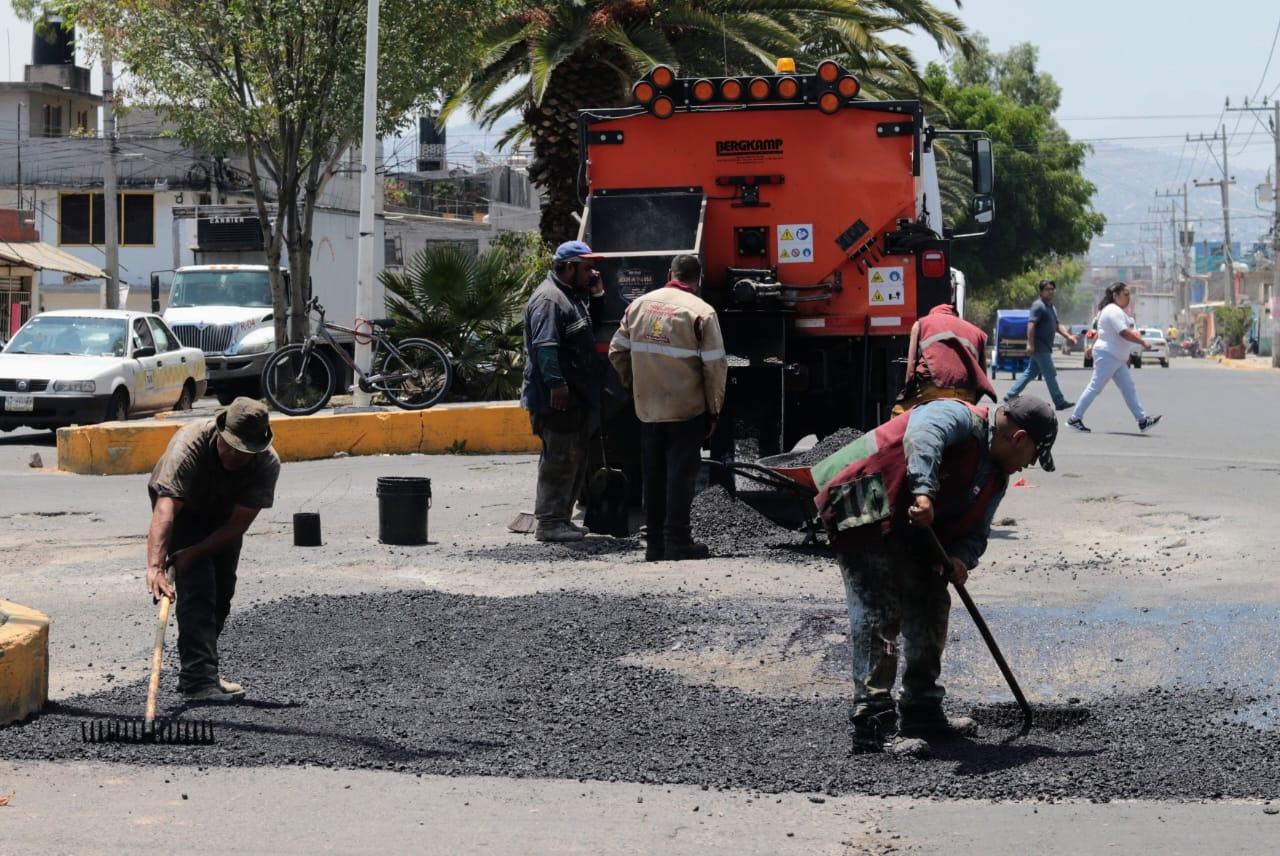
x: 368, y: 183
x: 1274, y: 108
x: 110, y: 199
x: 1184, y: 239
x: 19, y: 156
x: 1224, y: 185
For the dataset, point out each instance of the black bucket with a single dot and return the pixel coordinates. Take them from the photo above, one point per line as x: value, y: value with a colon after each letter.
x: 403, y: 502
x: 306, y: 529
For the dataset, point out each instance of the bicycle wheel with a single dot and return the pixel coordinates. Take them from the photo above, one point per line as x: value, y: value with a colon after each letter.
x: 297, y: 380
x: 416, y: 377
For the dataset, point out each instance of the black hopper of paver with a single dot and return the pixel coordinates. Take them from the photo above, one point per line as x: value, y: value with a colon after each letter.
x: 547, y: 686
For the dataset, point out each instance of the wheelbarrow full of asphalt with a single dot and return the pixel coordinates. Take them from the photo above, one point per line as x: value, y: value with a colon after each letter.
x: 777, y: 487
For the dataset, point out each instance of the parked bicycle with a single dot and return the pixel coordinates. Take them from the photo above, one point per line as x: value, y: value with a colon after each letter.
x: 413, y: 374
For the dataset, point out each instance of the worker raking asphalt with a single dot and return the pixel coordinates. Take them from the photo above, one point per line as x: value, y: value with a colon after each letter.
x: 541, y: 686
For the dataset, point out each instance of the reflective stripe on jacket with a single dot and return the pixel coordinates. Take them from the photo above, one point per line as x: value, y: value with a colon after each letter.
x: 670, y: 355
x: 938, y: 449
x: 950, y: 354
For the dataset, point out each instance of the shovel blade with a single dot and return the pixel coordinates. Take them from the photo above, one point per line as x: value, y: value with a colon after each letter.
x: 607, y: 512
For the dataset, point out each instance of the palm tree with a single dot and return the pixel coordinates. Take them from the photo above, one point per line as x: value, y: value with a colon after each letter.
x: 474, y: 307
x: 567, y: 55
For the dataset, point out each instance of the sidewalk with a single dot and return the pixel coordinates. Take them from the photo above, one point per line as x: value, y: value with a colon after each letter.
x: 1252, y: 362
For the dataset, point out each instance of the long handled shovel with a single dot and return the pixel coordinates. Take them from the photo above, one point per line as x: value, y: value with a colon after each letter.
x: 940, y: 555
x: 149, y: 729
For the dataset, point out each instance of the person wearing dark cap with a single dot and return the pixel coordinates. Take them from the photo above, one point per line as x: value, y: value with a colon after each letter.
x: 944, y: 464
x: 206, y: 490
x: 560, y: 388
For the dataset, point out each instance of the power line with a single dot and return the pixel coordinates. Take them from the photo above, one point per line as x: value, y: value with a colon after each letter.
x: 1270, y: 54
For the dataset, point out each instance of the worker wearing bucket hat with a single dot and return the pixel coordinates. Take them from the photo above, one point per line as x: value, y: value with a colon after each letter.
x: 206, y: 490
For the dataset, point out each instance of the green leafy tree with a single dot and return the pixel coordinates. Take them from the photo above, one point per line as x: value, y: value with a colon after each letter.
x: 1232, y: 323
x: 566, y: 55
x: 474, y: 307
x: 280, y: 82
x: 1071, y: 300
x: 1044, y: 213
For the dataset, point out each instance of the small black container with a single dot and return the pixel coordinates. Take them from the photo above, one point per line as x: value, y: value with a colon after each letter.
x: 403, y: 502
x: 306, y: 529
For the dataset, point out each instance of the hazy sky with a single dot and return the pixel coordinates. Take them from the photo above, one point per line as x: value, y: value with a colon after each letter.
x: 1121, y: 63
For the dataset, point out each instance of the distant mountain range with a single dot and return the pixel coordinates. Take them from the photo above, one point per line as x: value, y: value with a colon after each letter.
x: 1127, y: 179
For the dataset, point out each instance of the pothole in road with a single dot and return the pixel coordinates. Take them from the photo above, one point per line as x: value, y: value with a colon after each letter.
x: 549, y: 685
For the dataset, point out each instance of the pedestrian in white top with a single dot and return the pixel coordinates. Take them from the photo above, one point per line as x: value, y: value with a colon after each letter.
x: 1111, y: 358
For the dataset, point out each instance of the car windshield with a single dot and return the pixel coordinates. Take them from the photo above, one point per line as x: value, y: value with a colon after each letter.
x: 1152, y: 333
x: 220, y: 288
x: 70, y: 335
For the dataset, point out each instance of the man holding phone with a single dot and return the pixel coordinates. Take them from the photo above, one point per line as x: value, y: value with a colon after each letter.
x: 560, y: 389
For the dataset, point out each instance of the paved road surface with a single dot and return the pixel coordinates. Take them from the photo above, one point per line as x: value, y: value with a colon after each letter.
x: 1136, y: 542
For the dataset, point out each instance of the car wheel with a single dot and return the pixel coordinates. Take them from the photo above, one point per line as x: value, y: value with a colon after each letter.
x: 1088, y: 362
x: 118, y: 409
x: 188, y: 398
x: 1164, y: 364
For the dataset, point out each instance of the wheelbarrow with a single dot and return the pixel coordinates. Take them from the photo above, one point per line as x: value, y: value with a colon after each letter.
x: 780, y: 491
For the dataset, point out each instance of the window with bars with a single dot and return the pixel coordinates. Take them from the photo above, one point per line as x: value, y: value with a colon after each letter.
x: 52, y: 121
x: 82, y: 219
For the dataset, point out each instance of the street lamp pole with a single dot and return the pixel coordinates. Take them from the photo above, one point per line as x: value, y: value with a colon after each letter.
x: 368, y: 188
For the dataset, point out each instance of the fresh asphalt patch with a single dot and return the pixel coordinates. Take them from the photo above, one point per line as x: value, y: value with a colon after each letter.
x: 548, y: 685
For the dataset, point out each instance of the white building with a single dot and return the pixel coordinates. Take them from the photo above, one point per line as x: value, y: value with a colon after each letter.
x: 53, y: 168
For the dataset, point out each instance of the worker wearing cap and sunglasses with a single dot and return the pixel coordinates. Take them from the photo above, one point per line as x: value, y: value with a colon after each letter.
x: 561, y: 389
x: 944, y: 464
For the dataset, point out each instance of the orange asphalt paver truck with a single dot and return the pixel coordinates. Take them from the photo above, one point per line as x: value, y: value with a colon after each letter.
x: 818, y: 219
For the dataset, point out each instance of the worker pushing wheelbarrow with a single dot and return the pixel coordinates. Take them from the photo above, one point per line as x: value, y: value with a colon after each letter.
x: 907, y: 509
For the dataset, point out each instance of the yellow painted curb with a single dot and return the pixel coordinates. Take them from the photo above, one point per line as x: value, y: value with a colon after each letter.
x: 119, y: 448
x: 24, y: 662
x: 1241, y: 365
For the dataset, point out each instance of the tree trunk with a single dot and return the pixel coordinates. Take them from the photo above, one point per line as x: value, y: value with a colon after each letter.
x: 578, y: 83
x: 272, y: 239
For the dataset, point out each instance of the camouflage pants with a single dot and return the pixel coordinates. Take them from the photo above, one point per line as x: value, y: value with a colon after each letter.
x: 891, y: 592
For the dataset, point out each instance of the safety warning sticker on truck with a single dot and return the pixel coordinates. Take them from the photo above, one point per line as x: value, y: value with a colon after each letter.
x: 795, y: 243
x: 885, y: 286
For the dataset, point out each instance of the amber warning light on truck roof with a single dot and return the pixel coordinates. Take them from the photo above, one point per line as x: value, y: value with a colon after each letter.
x: 661, y: 92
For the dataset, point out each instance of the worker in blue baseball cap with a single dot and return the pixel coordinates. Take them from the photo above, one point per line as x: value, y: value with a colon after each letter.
x: 560, y: 388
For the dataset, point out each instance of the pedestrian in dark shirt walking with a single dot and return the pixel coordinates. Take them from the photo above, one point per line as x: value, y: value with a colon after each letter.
x: 1042, y: 326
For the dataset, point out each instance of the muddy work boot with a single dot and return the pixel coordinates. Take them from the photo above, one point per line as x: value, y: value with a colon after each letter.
x: 211, y: 695
x: 872, y: 732
x: 933, y: 724
x: 559, y: 532
x: 906, y: 747
x: 681, y: 546
x: 230, y: 687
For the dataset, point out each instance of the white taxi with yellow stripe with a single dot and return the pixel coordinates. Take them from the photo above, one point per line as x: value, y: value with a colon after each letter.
x: 78, y: 367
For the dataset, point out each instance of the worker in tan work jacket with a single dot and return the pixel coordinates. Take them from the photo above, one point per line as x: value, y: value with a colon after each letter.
x: 670, y: 355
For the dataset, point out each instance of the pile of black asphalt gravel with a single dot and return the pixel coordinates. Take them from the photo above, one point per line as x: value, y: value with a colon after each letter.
x: 731, y: 527
x: 820, y: 451
x: 535, y: 686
